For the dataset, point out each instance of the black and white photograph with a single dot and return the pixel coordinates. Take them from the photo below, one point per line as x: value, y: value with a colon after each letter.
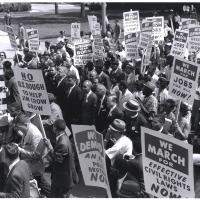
x: 99, y: 99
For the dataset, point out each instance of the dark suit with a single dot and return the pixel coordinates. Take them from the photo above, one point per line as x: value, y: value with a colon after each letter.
x: 101, y: 115
x: 88, y: 109
x: 17, y: 182
x: 133, y: 129
x: 62, y: 167
x: 116, y: 113
x: 61, y: 93
x: 72, y: 106
x: 105, y: 80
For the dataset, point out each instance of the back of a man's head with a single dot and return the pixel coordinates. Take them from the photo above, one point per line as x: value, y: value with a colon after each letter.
x: 11, y: 151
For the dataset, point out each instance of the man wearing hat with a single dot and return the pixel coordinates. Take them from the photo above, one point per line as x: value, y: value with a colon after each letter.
x: 63, y: 168
x: 134, y: 120
x: 122, y: 145
x: 150, y: 103
x: 18, y: 176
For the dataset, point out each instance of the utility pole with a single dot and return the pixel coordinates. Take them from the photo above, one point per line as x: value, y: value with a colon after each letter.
x: 56, y: 8
x: 103, y: 5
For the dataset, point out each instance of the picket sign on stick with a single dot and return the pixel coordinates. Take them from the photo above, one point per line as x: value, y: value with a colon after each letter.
x: 178, y: 110
x: 142, y: 71
x: 154, y: 51
x: 91, y: 155
x: 167, y: 165
x: 17, y: 57
x: 172, y: 25
x: 12, y: 39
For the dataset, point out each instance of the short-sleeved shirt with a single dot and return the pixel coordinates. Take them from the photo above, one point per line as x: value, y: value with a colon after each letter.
x: 123, y: 145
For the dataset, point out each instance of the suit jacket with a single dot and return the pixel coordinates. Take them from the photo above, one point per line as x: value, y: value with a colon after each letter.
x: 63, y: 164
x: 17, y: 182
x: 133, y: 129
x: 105, y: 80
x: 88, y: 109
x: 72, y: 105
x: 116, y: 113
x: 101, y: 115
x: 61, y: 93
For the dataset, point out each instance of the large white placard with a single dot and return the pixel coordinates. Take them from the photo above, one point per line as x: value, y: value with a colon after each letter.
x: 167, y: 165
x: 33, y: 39
x: 179, y: 44
x: 183, y: 81
x: 91, y: 154
x: 131, y: 22
x: 32, y: 91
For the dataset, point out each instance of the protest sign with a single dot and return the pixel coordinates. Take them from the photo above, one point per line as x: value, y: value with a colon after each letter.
x: 146, y: 34
x: 75, y: 31
x: 3, y: 91
x: 188, y: 23
x: 194, y: 40
x: 147, y: 55
x: 92, y: 23
x: 158, y: 27
x: 131, y: 22
x: 167, y: 165
x: 91, y: 154
x: 179, y: 44
x: 82, y: 52
x: 183, y: 81
x: 33, y: 39
x: 97, y: 28
x: 98, y: 48
x: 32, y: 91
x: 12, y: 38
x: 131, y: 46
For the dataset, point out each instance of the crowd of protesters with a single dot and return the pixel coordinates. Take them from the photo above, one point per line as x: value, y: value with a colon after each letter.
x: 110, y: 93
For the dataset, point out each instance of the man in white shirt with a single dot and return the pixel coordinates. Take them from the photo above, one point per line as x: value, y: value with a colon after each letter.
x: 61, y: 38
x: 122, y: 144
x: 70, y: 68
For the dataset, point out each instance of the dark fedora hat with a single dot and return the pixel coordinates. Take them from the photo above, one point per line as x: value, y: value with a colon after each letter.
x: 131, y: 105
x: 118, y: 125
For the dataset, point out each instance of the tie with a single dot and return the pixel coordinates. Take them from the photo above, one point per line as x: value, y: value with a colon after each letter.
x: 101, y: 102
